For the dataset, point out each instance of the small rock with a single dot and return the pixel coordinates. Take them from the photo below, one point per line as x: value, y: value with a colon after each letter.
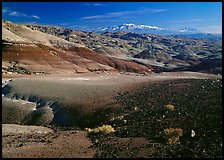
x: 193, y: 133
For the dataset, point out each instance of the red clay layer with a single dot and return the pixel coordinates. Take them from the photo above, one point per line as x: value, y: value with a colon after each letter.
x: 77, y: 59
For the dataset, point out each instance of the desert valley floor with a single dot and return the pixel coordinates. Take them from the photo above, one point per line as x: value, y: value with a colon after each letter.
x: 55, y: 115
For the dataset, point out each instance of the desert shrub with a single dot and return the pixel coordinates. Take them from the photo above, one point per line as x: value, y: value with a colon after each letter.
x: 170, y: 107
x: 117, y: 118
x: 173, y: 135
x: 105, y: 129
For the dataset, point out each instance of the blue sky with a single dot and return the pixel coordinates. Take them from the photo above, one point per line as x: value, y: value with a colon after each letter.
x: 204, y: 16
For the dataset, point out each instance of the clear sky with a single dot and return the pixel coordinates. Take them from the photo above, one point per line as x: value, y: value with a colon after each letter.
x: 204, y: 16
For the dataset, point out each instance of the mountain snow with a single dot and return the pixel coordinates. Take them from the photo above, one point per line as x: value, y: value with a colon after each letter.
x: 130, y: 27
x: 187, y: 29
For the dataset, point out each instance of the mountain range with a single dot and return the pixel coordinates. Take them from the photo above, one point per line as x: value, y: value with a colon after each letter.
x: 130, y: 27
x: 33, y: 48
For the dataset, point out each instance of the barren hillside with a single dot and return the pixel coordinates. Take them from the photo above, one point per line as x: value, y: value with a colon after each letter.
x: 27, y: 51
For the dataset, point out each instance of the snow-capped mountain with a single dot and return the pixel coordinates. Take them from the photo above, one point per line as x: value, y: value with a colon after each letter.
x: 188, y: 30
x: 130, y: 27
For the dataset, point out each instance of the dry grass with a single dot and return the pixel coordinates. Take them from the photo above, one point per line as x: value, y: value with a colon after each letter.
x: 173, y: 135
x: 170, y: 107
x: 105, y: 129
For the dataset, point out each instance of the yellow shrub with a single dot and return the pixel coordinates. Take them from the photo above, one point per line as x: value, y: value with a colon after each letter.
x: 105, y: 129
x: 173, y: 135
x: 117, y: 118
x: 170, y: 107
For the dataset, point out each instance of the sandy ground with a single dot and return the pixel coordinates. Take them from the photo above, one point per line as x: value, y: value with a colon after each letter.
x: 45, y: 144
x: 116, y: 77
x: 14, y: 128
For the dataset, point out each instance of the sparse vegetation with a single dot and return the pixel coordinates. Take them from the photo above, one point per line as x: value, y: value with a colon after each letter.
x: 105, y: 129
x: 170, y: 107
x: 173, y: 135
x: 193, y: 123
x: 15, y: 69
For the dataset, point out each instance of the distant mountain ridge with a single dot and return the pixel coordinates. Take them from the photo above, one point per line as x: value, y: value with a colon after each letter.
x: 188, y: 29
x: 187, y: 32
x: 201, y: 36
x: 130, y: 27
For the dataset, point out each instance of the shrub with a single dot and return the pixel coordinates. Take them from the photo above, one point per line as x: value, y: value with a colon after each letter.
x: 117, y: 118
x: 173, y: 135
x: 105, y: 129
x: 170, y: 107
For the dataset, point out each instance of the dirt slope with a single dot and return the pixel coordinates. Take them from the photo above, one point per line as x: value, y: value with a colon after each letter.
x: 27, y: 51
